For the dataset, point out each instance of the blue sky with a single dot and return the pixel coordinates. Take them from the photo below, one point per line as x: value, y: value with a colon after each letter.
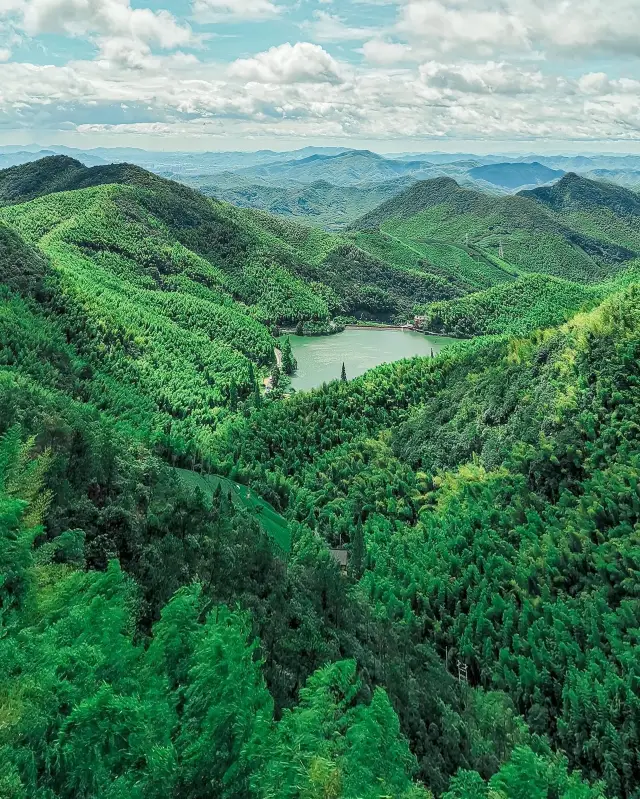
x: 391, y: 75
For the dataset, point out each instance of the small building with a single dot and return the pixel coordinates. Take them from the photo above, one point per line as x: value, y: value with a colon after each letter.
x: 341, y: 557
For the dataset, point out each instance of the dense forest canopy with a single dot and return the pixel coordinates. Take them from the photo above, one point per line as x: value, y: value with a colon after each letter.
x: 420, y: 582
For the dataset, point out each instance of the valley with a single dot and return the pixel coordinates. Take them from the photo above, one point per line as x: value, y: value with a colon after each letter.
x: 258, y: 541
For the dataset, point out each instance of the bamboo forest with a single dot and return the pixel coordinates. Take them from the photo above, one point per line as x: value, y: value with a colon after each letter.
x: 419, y: 582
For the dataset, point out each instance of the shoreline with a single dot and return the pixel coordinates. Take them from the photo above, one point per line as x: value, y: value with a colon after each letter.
x: 384, y: 327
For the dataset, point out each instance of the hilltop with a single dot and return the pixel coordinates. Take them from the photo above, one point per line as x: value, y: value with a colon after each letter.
x: 575, y: 193
x: 593, y: 207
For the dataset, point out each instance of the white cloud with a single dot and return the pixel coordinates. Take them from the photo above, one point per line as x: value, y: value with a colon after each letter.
x: 5, y: 54
x: 299, y: 63
x: 326, y: 27
x: 227, y: 10
x: 445, y: 27
x: 270, y: 95
x: 522, y: 26
x: 487, y: 78
x: 464, y: 69
x: 383, y: 53
x: 103, y: 18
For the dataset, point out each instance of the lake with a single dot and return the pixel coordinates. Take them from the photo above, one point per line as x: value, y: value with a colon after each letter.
x: 320, y: 358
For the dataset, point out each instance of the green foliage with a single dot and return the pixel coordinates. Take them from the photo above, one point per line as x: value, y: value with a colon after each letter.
x: 482, y: 639
x: 88, y: 711
x: 532, y: 302
x: 526, y: 775
x: 289, y: 363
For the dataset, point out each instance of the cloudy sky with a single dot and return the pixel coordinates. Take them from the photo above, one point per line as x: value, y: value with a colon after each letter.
x: 394, y: 75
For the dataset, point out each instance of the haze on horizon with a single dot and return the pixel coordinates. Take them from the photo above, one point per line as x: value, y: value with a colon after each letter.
x: 390, y: 76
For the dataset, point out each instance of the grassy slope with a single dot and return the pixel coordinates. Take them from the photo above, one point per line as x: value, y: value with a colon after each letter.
x: 273, y: 523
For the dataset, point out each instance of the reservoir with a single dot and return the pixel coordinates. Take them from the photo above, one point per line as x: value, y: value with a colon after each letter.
x: 320, y: 358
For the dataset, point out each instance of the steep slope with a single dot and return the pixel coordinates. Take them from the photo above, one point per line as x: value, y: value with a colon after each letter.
x: 501, y: 521
x: 483, y: 636
x: 531, y: 237
x: 593, y: 207
x: 515, y: 175
x: 272, y: 272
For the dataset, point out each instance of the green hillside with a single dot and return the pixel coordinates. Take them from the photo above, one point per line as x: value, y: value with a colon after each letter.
x: 594, y: 208
x: 175, y: 620
x: 499, y: 520
x: 531, y: 302
x: 533, y: 238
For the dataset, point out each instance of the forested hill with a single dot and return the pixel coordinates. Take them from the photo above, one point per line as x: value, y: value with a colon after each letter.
x: 173, y: 623
x: 575, y: 193
x: 283, y: 271
x: 422, y: 195
x: 521, y: 233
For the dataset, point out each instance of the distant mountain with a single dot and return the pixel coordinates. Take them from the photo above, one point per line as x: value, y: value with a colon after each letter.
x: 346, y: 169
x: 629, y: 178
x: 320, y: 203
x: 515, y: 175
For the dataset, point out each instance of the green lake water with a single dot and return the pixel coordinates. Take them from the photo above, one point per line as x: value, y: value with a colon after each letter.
x: 320, y: 358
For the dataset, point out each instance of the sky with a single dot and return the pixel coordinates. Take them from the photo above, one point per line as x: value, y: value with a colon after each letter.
x: 389, y: 75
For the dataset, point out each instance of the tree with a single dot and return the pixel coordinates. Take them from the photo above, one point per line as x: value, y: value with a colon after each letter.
x: 289, y: 363
x: 233, y: 395
x: 300, y: 328
x: 343, y: 374
x: 227, y: 712
x: 357, y: 550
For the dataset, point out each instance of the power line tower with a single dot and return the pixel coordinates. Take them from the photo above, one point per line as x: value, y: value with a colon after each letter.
x: 501, y: 250
x: 462, y: 672
x: 466, y: 240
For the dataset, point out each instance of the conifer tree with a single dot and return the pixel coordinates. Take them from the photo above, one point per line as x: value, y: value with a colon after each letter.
x: 289, y: 363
